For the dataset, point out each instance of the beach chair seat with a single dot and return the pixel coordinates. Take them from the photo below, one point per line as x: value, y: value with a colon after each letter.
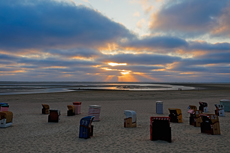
x: 86, y: 127
x: 175, y: 115
x: 160, y: 129
x: 203, y: 107
x: 54, y: 115
x: 6, y: 118
x: 45, y: 109
x: 219, y: 110
x: 71, y: 110
x: 130, y: 120
x: 210, y: 124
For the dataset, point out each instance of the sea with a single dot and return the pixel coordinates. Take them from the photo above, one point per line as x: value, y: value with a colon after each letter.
x: 12, y: 88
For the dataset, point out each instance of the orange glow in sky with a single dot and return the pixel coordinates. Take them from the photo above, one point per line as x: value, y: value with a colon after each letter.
x: 109, y: 78
x: 146, y: 76
x: 127, y: 78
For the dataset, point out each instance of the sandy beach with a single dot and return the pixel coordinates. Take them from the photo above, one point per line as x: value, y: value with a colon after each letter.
x: 31, y: 131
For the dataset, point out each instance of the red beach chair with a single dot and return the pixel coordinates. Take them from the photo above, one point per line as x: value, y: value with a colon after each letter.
x: 160, y: 129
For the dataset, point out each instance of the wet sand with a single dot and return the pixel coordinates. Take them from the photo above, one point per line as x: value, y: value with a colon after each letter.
x: 31, y: 131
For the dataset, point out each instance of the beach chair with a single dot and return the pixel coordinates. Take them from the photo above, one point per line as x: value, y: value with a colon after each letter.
x: 71, y: 110
x: 45, y: 109
x: 159, y: 107
x: 219, y: 110
x: 203, y: 107
x: 86, y: 127
x: 95, y: 110
x: 160, y: 129
x: 194, y: 118
x: 210, y: 124
x: 6, y: 118
x: 4, y: 107
x: 226, y: 104
x: 54, y: 115
x: 175, y: 115
x: 130, y: 120
x: 77, y: 106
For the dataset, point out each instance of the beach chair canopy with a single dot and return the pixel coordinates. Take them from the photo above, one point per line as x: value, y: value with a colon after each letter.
x: 76, y: 103
x: 219, y: 106
x: 4, y: 104
x: 204, y: 104
x: 175, y: 110
x: 45, y: 106
x: 192, y: 107
x: 86, y: 121
x: 225, y: 100
x: 71, y: 107
x: 159, y: 118
x: 130, y: 113
x: 212, y: 118
x: 95, y: 106
x: 159, y: 102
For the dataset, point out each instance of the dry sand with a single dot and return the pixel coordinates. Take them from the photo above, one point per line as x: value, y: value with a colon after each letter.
x: 31, y: 131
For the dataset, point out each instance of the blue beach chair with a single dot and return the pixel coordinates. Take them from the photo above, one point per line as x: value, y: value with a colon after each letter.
x: 86, y: 129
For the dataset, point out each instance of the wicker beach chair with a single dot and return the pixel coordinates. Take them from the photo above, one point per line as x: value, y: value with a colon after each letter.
x: 175, y: 115
x: 6, y: 118
x: 160, y: 129
x: 45, y: 109
x: 130, y: 120
x: 195, y: 118
x: 210, y: 124
x: 86, y: 127
x: 54, y: 115
x: 71, y: 110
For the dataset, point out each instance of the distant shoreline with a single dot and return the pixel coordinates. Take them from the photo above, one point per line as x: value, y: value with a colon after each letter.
x: 11, y: 88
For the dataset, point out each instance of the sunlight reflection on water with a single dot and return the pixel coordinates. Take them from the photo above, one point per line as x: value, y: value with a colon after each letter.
x: 10, y: 88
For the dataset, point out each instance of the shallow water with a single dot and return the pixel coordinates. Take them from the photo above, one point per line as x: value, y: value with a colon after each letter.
x: 10, y: 88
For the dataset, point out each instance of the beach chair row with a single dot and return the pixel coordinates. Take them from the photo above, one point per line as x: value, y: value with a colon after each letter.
x: 159, y: 126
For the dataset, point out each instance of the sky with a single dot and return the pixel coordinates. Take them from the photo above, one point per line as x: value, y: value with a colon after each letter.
x: 115, y: 40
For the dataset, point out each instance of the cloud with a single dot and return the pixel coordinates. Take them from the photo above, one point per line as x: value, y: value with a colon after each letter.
x: 223, y: 28
x: 156, y: 42
x: 208, y: 46
x: 141, y: 59
x: 140, y: 23
x: 51, y: 24
x: 189, y: 18
x: 137, y: 14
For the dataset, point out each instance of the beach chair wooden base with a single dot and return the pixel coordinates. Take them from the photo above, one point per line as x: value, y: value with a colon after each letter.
x: 3, y: 123
x: 128, y: 123
x: 70, y: 113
